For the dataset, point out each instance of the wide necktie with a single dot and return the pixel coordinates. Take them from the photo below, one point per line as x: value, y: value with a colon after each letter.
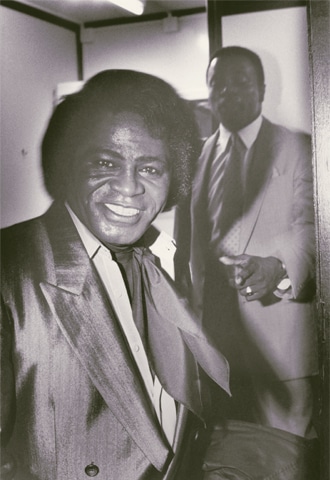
x: 226, y: 197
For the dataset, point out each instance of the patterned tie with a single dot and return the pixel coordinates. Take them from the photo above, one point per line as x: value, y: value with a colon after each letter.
x: 226, y: 198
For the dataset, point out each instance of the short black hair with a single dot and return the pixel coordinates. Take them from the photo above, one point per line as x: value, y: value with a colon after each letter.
x: 236, y: 51
x: 164, y: 112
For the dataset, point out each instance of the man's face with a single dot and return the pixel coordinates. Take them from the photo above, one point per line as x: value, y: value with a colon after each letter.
x: 121, y: 178
x: 235, y: 94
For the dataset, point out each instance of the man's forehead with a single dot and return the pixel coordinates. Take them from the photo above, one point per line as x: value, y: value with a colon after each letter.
x: 237, y: 61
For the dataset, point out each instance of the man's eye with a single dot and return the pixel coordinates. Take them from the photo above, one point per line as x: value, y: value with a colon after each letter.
x: 104, y: 163
x: 101, y: 166
x: 244, y: 83
x: 218, y: 87
x: 150, y: 171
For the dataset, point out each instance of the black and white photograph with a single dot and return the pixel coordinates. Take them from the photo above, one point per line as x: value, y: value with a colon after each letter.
x: 165, y: 239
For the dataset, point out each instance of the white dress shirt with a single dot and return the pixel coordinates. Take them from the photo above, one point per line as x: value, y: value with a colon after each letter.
x: 113, y: 282
x: 248, y: 136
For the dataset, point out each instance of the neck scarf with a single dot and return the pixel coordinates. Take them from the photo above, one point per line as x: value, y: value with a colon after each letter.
x: 176, y: 346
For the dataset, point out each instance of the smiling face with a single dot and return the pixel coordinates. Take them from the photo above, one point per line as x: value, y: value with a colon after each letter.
x: 235, y: 92
x: 121, y: 178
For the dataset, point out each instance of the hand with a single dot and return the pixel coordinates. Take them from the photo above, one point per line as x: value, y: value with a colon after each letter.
x: 254, y: 277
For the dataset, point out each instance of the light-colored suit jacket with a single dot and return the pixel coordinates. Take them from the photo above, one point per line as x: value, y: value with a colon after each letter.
x: 79, y: 398
x: 276, y: 336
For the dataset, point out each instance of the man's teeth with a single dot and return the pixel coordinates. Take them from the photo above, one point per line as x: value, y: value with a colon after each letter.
x: 123, y: 211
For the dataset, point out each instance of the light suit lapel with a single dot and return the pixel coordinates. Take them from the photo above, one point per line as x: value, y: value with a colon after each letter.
x: 87, y: 320
x: 261, y: 172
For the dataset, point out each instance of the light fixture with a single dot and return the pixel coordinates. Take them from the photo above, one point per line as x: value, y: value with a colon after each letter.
x: 133, y: 6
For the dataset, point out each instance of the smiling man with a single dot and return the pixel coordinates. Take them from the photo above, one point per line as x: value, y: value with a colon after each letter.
x: 104, y: 367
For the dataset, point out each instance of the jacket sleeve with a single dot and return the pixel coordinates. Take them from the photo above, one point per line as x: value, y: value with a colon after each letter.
x: 8, y: 399
x: 297, y: 246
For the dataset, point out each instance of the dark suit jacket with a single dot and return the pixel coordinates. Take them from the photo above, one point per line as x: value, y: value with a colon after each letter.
x: 269, y: 336
x: 79, y: 398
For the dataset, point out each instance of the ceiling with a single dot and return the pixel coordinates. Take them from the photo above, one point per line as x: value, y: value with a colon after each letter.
x: 84, y: 11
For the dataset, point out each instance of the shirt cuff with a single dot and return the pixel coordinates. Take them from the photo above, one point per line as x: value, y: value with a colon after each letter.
x: 284, y: 288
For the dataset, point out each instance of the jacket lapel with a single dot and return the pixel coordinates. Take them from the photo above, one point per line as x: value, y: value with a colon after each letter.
x: 260, y: 173
x: 200, y: 186
x: 199, y: 222
x: 88, y: 322
x: 179, y: 443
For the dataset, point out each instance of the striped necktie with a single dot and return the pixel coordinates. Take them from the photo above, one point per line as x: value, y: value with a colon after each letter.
x: 226, y: 198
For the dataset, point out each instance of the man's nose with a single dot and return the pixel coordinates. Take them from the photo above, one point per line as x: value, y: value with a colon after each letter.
x: 127, y: 183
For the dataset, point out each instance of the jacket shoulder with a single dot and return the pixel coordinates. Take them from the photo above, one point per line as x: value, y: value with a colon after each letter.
x: 209, y: 142
x: 206, y: 152
x: 287, y: 146
x: 23, y: 250
x: 19, y: 235
x: 283, y: 133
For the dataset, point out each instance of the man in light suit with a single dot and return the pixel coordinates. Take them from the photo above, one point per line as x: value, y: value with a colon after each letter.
x: 103, y: 365
x: 252, y: 269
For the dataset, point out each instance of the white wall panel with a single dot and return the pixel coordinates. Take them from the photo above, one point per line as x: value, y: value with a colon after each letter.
x: 179, y: 57
x: 279, y: 37
x: 35, y: 56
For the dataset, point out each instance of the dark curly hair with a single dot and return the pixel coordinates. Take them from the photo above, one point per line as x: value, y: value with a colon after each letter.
x: 164, y: 112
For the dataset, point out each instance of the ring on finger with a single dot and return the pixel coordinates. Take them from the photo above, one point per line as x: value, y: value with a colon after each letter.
x: 248, y: 291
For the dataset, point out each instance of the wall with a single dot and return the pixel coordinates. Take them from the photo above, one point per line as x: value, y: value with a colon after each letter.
x: 35, y: 56
x: 280, y: 38
x: 178, y: 57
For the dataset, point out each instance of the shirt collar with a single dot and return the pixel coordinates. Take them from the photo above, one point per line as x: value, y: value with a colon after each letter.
x: 91, y: 243
x: 247, y: 134
x: 160, y: 247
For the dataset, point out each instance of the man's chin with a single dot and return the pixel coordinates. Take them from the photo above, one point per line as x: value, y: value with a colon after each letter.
x: 122, y: 237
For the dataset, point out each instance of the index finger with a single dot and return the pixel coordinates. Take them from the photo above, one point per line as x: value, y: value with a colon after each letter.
x: 239, y: 260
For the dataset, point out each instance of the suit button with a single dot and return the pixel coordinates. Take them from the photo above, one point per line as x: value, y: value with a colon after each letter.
x: 92, y: 470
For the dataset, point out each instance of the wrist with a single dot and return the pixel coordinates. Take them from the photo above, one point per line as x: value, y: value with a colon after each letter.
x: 279, y: 269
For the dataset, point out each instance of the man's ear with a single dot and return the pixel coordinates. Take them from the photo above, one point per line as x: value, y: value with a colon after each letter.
x: 262, y: 92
